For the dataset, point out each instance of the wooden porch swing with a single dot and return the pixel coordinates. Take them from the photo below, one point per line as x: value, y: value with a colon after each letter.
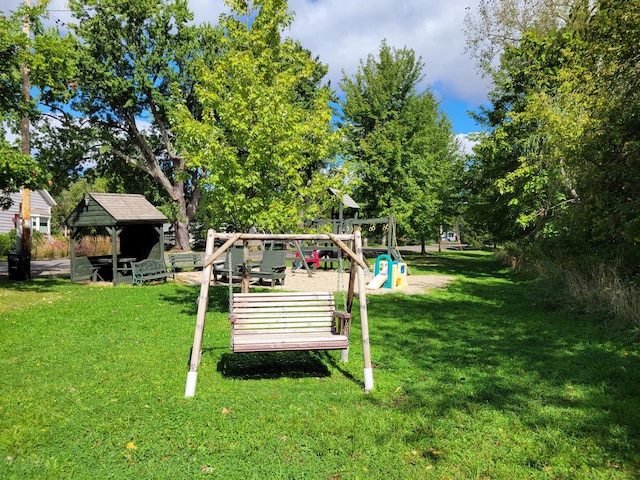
x: 264, y: 322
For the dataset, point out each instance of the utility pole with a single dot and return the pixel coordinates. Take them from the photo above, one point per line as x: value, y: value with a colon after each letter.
x: 25, y: 136
x: 20, y: 260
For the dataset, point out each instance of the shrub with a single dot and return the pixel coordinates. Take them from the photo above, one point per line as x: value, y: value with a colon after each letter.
x: 57, y: 247
x: 601, y: 290
x: 90, y: 245
x: 6, y: 244
x: 589, y: 286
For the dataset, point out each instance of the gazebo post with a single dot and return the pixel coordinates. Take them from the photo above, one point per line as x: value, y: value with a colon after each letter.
x: 72, y: 251
x: 114, y: 254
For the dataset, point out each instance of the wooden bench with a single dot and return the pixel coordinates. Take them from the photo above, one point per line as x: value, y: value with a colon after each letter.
x: 271, y: 267
x: 149, y: 270
x: 266, y: 322
x: 236, y: 257
x: 185, y: 260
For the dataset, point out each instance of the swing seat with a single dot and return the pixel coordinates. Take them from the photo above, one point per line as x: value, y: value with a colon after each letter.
x: 270, y: 322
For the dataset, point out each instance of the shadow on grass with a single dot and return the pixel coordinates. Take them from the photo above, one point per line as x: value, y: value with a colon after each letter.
x: 470, y: 263
x: 38, y: 284
x: 489, y: 345
x: 339, y: 366
x: 256, y: 366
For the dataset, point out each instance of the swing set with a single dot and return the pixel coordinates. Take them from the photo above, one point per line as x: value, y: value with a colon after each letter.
x: 284, y: 321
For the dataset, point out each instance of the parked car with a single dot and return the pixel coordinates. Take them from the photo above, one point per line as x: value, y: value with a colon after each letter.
x: 449, y: 237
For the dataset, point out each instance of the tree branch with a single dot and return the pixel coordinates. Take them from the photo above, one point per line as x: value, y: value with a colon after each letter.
x: 151, y: 166
x: 132, y: 161
x: 163, y: 131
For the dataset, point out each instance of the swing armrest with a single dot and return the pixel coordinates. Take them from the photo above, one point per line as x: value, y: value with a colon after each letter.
x: 341, y: 326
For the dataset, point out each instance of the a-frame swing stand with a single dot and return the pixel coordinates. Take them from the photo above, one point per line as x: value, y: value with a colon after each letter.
x: 358, y: 265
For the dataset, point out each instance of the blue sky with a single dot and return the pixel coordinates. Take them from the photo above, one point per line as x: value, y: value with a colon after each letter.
x: 343, y: 32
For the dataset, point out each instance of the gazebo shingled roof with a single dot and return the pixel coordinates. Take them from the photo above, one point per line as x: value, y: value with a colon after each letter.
x: 114, y: 208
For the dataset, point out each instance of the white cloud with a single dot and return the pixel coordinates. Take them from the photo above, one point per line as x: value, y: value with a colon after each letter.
x: 466, y: 142
x: 344, y: 32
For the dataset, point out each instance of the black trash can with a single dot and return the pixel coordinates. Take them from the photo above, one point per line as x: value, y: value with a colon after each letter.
x: 19, y: 265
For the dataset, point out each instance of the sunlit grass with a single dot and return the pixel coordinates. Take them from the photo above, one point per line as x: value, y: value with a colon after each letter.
x: 475, y: 381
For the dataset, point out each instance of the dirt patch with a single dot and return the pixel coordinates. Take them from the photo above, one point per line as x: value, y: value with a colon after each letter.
x: 327, y: 280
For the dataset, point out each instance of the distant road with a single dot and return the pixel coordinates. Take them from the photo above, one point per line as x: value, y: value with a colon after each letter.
x: 42, y: 267
x: 63, y: 265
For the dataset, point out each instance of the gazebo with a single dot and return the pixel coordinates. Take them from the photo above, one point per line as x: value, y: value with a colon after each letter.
x: 132, y: 223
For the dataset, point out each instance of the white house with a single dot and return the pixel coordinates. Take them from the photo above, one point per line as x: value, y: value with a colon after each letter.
x: 41, y: 203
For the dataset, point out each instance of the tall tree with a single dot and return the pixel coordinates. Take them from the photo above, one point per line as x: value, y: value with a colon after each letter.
x: 495, y: 25
x: 264, y: 134
x: 136, y: 59
x: 561, y: 159
x: 401, y: 146
x: 46, y: 56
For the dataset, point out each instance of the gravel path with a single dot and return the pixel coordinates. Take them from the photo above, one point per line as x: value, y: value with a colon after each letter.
x: 327, y: 280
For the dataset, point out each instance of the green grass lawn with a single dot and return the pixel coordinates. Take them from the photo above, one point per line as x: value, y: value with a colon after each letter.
x: 479, y: 380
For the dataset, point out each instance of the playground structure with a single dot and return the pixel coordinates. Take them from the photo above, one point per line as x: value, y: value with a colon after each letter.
x: 341, y: 224
x: 388, y: 273
x: 324, y: 253
x: 351, y: 225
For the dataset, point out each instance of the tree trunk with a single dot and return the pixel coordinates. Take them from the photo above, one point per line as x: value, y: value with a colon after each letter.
x: 182, y: 221
x: 186, y: 212
x: 182, y: 235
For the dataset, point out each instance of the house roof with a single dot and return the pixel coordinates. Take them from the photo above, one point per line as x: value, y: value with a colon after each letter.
x: 125, y: 207
x: 48, y: 198
x: 100, y: 209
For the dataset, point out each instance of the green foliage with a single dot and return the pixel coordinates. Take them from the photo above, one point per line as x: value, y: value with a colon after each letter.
x: 68, y: 199
x: 264, y: 131
x: 7, y: 243
x: 134, y: 61
x: 16, y: 170
x: 13, y: 43
x: 45, y: 55
x: 481, y: 367
x: 560, y: 166
x: 400, y: 146
x: 496, y: 25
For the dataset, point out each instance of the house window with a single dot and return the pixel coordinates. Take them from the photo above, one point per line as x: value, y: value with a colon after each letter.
x: 40, y: 224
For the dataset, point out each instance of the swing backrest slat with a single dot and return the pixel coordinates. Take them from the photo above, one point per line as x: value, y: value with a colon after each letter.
x: 287, y: 321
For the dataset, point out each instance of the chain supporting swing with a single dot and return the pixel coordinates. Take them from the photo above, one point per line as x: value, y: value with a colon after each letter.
x: 341, y: 286
x: 230, y: 280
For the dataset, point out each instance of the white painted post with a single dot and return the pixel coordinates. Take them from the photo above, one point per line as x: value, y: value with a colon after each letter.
x: 203, y: 302
x: 364, y: 318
